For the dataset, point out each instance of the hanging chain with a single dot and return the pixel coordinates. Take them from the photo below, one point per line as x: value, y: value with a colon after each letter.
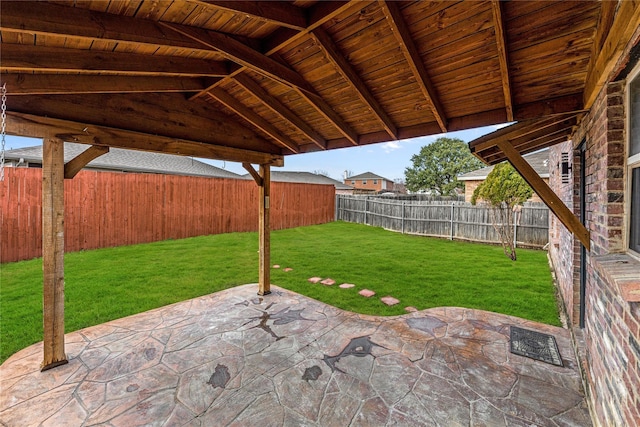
x: 3, y: 132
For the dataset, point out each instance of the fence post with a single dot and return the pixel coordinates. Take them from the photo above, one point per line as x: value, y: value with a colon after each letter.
x: 453, y: 206
x: 515, y: 229
x: 366, y: 199
x: 402, y: 216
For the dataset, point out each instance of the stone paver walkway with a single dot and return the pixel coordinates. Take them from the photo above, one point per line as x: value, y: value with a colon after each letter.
x: 233, y: 358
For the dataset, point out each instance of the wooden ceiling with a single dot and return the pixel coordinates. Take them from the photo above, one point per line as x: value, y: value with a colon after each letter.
x: 255, y: 81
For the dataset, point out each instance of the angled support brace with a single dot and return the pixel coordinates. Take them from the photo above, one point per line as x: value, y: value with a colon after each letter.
x: 550, y: 198
x: 75, y: 165
x: 263, y: 179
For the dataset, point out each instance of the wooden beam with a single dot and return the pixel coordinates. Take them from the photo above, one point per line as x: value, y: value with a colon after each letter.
x: 394, y: 17
x: 17, y: 57
x: 625, y: 24
x: 21, y: 124
x: 550, y: 198
x: 169, y: 115
x: 244, y: 55
x: 75, y: 165
x: 279, y: 108
x: 549, y: 107
x: 274, y: 12
x: 48, y: 84
x: 501, y: 43
x: 253, y: 118
x: 264, y: 232
x: 53, y: 253
x: 350, y: 75
x: 256, y: 176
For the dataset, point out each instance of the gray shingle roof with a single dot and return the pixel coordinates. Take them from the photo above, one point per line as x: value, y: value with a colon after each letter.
x: 118, y: 159
x: 368, y: 175
x: 539, y: 161
x: 306, y: 178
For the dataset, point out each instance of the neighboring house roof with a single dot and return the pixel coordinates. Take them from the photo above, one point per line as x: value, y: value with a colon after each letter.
x: 306, y: 178
x: 539, y: 161
x: 367, y: 175
x: 118, y: 159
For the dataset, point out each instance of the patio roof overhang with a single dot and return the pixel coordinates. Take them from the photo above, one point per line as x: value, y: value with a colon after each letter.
x: 256, y: 81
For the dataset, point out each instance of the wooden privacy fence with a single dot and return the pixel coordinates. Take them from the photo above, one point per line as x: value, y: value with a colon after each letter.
x: 451, y: 220
x: 104, y: 209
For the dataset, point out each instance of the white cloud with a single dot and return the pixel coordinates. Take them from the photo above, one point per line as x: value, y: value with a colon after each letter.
x: 390, y: 146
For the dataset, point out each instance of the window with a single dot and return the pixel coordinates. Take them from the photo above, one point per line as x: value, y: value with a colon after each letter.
x: 353, y: 183
x: 375, y: 182
x: 633, y: 160
x: 364, y: 182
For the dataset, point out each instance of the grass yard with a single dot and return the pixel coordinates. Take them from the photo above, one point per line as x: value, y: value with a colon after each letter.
x: 106, y: 284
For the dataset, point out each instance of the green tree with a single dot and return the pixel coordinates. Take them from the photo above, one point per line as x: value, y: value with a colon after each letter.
x: 505, y: 191
x: 437, y: 166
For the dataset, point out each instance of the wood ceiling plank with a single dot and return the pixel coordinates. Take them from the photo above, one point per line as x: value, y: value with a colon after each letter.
x: 48, y: 84
x: 625, y: 24
x: 279, y: 108
x: 349, y: 73
x: 253, y: 118
x: 51, y: 59
x: 501, y: 44
x: 330, y: 115
x: 276, y: 12
x: 396, y: 21
x: 86, y: 133
x: 169, y: 115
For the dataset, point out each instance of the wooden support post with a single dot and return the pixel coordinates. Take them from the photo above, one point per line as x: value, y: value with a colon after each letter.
x: 53, y: 252
x: 547, y: 195
x: 264, y: 283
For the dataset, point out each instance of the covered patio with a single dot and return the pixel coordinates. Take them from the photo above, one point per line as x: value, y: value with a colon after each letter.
x: 233, y: 358
x: 254, y: 82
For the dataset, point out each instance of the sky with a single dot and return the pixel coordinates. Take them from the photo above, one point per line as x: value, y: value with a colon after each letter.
x: 388, y: 159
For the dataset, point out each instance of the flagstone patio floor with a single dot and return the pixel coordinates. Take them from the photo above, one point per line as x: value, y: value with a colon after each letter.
x: 233, y: 358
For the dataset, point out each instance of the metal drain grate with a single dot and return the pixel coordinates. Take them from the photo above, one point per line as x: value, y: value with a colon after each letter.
x: 535, y: 345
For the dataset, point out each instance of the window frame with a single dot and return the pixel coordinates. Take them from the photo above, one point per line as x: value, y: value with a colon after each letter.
x: 632, y: 162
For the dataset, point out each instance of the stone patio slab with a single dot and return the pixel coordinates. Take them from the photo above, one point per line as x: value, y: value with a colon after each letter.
x: 232, y: 358
x: 367, y: 293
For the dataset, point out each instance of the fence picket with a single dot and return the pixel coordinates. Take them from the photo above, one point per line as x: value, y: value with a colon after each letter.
x: 453, y: 220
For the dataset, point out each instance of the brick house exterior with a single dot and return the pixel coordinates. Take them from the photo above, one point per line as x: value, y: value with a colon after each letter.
x: 370, y: 182
x: 539, y: 161
x: 608, y: 326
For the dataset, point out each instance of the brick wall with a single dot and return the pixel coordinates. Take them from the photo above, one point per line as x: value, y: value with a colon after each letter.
x: 564, y: 249
x: 612, y: 331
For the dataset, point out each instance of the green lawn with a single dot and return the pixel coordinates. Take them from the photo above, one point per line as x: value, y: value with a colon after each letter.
x: 106, y: 284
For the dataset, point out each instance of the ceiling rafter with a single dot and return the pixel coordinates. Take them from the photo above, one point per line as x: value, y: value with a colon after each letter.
x: 274, y: 12
x: 17, y: 57
x: 51, y: 84
x: 254, y: 118
x: 318, y: 14
x: 350, y: 75
x: 503, y: 57
x: 279, y: 108
x: 244, y: 55
x: 408, y: 47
